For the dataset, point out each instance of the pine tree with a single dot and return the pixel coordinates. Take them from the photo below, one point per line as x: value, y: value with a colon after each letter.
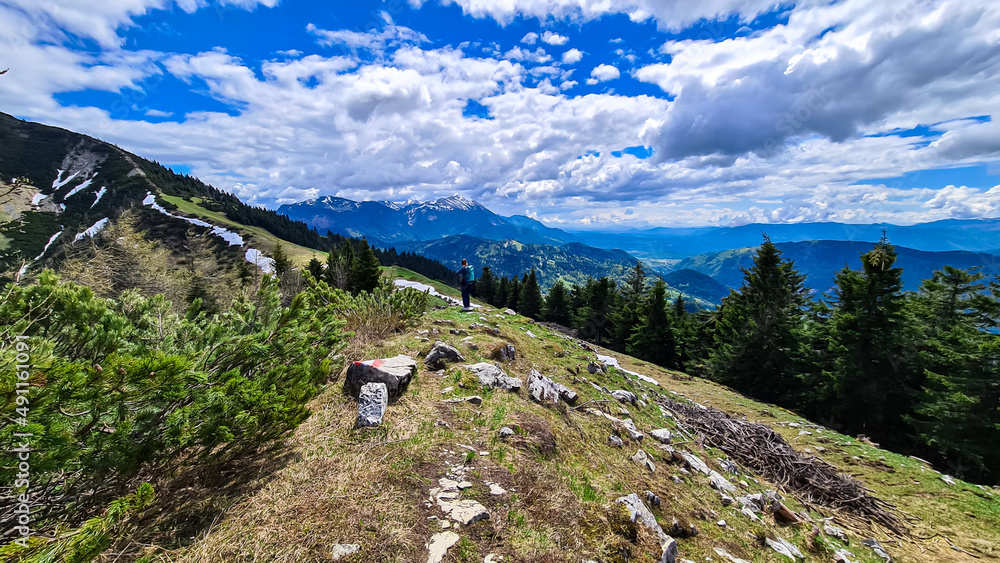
x: 530, y: 300
x: 557, y: 305
x: 756, y: 329
x: 873, y: 377
x: 501, y: 293
x: 365, y: 271
x: 591, y: 318
x: 315, y: 268
x: 653, y: 338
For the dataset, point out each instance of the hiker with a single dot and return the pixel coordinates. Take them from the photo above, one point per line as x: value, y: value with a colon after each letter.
x: 468, y: 277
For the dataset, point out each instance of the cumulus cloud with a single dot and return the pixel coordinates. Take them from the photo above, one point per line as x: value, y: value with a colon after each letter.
x: 530, y: 38
x: 572, y: 56
x: 554, y: 38
x: 375, y: 41
x: 603, y: 73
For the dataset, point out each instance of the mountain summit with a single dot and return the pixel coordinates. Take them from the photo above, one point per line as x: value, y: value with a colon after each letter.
x: 385, y: 223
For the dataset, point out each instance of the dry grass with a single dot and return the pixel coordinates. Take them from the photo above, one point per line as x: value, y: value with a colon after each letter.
x: 336, y: 484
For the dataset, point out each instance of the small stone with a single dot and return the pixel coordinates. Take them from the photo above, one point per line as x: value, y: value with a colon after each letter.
x: 633, y: 432
x: 662, y: 435
x: 727, y: 501
x: 464, y: 485
x: 530, y: 334
x: 440, y: 543
x: 475, y: 400
x: 468, y: 512
x: 442, y: 353
x: 720, y: 483
x: 948, y: 479
x: 505, y: 433
x: 445, y: 524
x: 877, y: 548
x: 834, y: 532
x: 447, y: 390
x: 372, y: 401
x: 624, y: 396
x: 615, y: 441
x: 843, y: 556
x: 721, y: 523
x: 509, y: 312
x: 784, y: 548
x: 695, y: 463
x: 652, y: 499
x: 343, y: 549
x: 642, y: 458
x: 497, y: 490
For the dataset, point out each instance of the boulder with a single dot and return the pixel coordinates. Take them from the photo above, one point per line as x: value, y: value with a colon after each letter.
x: 624, y: 396
x: 343, y: 549
x: 493, y: 377
x: 395, y: 373
x: 442, y: 353
x: 615, y: 441
x: 629, y: 427
x: 662, y: 435
x: 505, y: 433
x: 544, y: 390
x: 372, y: 401
x: 720, y: 483
x: 642, y: 458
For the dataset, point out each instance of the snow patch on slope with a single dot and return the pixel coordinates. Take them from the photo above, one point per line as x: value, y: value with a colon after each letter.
x: 48, y: 244
x: 424, y: 287
x: 93, y: 230
x: 60, y: 183
x: 37, y: 198
x: 258, y: 259
x: 229, y: 236
x: 83, y: 185
x: 100, y: 194
x: 613, y: 362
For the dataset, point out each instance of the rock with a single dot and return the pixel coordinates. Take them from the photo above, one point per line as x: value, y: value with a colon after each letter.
x: 721, y: 523
x: 641, y: 515
x: 615, y: 441
x: 467, y: 512
x: 508, y: 353
x: 784, y: 548
x: 439, y: 545
x: 493, y: 377
x: 662, y: 435
x: 497, y: 490
x: 843, y: 556
x: 834, y: 532
x: 343, y: 549
x: 447, y: 390
x: 509, y: 312
x: 720, y: 483
x: 877, y: 548
x: 624, y: 396
x: 727, y: 500
x: 475, y: 400
x: 394, y: 372
x: 728, y: 556
x: 642, y: 458
x: 505, y: 433
x: 530, y: 335
x: 629, y: 427
x: 948, y: 479
x: 442, y: 353
x: 471, y: 345
x: 458, y: 332
x: 544, y: 390
x: 464, y: 485
x: 695, y: 463
x: 652, y: 499
x: 595, y: 368
x: 372, y: 400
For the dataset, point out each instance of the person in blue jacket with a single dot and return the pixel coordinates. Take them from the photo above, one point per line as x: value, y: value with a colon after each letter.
x: 467, y: 277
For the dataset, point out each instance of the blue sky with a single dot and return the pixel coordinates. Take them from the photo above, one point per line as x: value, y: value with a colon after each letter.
x: 585, y: 114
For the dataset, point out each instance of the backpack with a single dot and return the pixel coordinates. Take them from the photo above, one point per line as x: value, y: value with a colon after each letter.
x: 470, y: 273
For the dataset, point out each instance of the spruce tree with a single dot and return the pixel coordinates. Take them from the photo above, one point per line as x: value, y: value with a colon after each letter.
x: 956, y: 415
x: 501, y: 292
x: 756, y: 329
x: 626, y: 314
x: 282, y: 265
x: 530, y: 300
x: 557, y: 305
x: 486, y: 285
x: 315, y: 268
x: 873, y: 378
x: 653, y: 338
x: 514, y: 293
x: 365, y: 272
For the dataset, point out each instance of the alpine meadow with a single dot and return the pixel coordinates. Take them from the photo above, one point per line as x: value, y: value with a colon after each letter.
x: 455, y: 281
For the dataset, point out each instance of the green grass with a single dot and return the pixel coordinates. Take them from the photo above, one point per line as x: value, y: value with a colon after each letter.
x: 298, y: 254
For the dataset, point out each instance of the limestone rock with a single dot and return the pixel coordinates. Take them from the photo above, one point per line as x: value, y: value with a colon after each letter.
x: 662, y: 435
x: 843, y: 556
x: 493, y: 377
x: 475, y: 400
x: 508, y: 353
x: 343, y: 549
x: 784, y: 548
x: 509, y: 312
x: 439, y: 545
x: 633, y: 432
x: 372, y: 400
x: 467, y: 512
x: 544, y: 390
x: 615, y: 441
x: 652, y: 499
x: 729, y: 556
x: 642, y: 458
x: 442, y: 353
x: 505, y: 433
x: 595, y: 368
x: 640, y: 514
x: 877, y: 548
x: 720, y: 483
x: 695, y: 463
x: 394, y: 372
x: 624, y: 396
x: 834, y: 532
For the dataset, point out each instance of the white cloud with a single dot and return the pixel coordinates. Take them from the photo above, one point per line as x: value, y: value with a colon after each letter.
x: 158, y: 113
x: 375, y: 41
x: 554, y: 38
x: 538, y: 56
x: 603, y: 73
x: 572, y: 56
x: 530, y: 38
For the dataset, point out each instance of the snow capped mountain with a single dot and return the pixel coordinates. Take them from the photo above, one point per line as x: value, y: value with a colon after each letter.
x: 386, y: 222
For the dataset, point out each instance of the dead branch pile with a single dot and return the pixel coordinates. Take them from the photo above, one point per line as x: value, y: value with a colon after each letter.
x: 764, y: 451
